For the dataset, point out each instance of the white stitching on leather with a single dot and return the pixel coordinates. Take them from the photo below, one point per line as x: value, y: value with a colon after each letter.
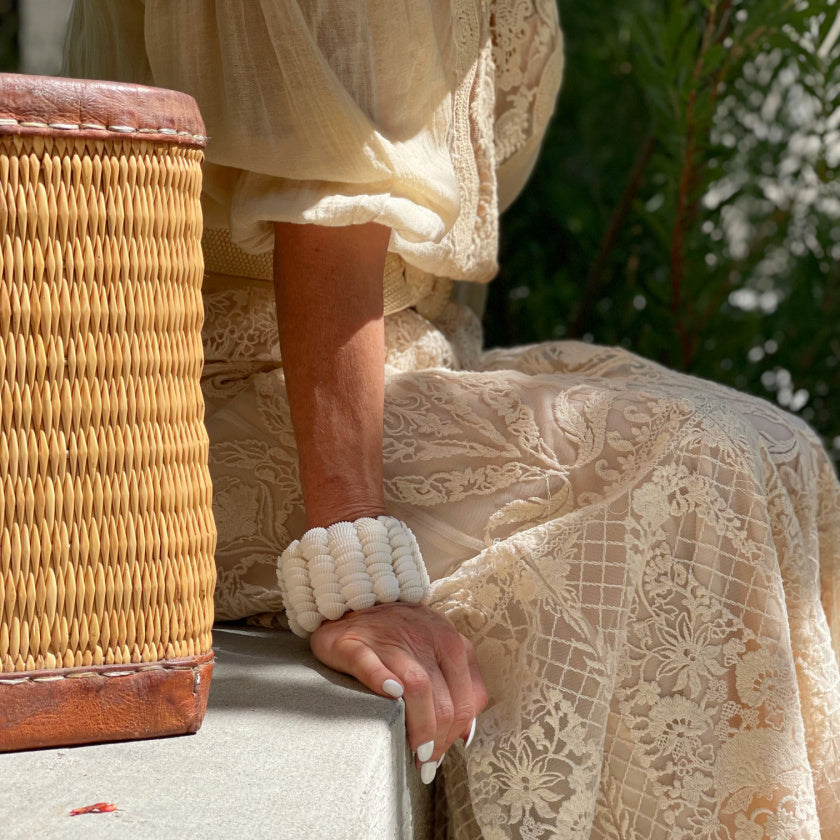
x: 8, y: 679
x: 121, y: 129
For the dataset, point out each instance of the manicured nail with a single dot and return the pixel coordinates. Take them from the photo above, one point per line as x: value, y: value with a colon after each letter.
x: 393, y: 688
x: 424, y: 751
x: 427, y: 772
x: 440, y: 760
x: 471, y: 735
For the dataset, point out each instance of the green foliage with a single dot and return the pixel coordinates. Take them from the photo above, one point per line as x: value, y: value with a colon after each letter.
x: 688, y: 202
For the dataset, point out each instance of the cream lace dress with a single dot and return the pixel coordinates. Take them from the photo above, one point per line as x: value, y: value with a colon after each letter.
x: 647, y: 563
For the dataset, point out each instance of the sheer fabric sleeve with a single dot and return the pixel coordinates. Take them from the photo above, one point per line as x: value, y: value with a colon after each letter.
x: 529, y: 60
x: 338, y: 113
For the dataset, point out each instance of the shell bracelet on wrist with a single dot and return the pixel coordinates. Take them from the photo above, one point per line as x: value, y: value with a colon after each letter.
x: 350, y: 566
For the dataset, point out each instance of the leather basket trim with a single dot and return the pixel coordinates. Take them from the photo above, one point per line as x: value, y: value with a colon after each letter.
x: 103, y: 703
x: 46, y: 105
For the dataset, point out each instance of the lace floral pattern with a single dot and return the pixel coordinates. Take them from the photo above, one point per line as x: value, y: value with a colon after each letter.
x: 509, y: 66
x: 664, y: 639
x: 525, y: 47
x: 646, y: 563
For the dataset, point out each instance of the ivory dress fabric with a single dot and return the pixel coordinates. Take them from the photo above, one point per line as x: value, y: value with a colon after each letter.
x: 646, y: 563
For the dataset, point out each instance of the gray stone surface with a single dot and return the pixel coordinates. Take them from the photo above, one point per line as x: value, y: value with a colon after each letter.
x: 288, y: 750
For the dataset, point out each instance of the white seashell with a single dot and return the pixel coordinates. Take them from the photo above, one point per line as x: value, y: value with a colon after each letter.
x: 386, y: 591
x: 407, y: 584
x: 353, y: 573
x: 354, y: 589
x: 302, y: 604
x: 358, y: 578
x: 296, y: 563
x: 298, y: 591
x: 349, y: 557
x: 378, y: 569
x: 362, y: 601
x: 342, y: 533
x: 332, y: 610
x: 314, y: 542
x: 295, y: 627
x: 401, y: 551
x: 310, y: 620
x: 411, y: 596
x: 367, y: 528
x: 404, y: 565
x: 375, y: 569
x: 293, y: 561
x: 381, y: 555
x: 424, y: 575
x: 327, y: 590
x: 322, y: 566
x: 400, y: 541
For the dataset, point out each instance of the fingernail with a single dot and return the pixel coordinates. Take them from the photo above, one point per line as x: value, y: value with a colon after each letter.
x: 424, y: 751
x: 427, y: 772
x: 471, y: 735
x: 440, y: 760
x: 393, y: 688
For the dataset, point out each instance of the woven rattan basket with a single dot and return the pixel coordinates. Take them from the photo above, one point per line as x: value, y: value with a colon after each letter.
x: 106, y: 529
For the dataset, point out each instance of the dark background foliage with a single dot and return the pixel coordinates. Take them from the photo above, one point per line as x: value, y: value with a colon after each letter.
x: 8, y: 36
x: 687, y: 203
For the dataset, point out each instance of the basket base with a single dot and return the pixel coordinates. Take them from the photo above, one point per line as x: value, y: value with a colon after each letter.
x: 73, y: 706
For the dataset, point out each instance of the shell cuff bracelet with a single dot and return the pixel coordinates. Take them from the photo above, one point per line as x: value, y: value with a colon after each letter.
x: 350, y: 566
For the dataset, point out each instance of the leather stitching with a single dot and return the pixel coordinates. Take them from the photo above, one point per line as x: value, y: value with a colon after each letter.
x: 119, y: 129
x: 82, y: 673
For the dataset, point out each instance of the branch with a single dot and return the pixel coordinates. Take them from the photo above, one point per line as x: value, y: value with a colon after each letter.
x: 610, y: 235
x: 687, y: 343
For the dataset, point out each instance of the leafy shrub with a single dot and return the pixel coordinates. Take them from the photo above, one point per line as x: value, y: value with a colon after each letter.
x: 687, y: 204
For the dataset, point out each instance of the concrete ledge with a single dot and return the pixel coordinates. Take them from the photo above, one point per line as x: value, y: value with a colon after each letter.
x: 288, y: 750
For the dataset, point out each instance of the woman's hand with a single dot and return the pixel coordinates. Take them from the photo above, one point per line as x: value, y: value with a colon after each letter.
x: 419, y: 649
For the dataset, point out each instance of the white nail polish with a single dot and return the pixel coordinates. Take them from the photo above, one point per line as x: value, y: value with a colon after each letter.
x: 393, y: 688
x: 427, y: 772
x: 424, y: 751
x: 471, y: 735
x: 440, y: 760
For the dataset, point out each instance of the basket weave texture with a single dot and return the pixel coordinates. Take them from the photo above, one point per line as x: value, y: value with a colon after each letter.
x: 106, y: 528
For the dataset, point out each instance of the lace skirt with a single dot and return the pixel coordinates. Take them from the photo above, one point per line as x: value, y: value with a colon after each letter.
x: 647, y: 564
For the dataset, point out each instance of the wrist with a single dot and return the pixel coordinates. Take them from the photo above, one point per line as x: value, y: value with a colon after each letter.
x: 343, y: 496
x: 324, y: 509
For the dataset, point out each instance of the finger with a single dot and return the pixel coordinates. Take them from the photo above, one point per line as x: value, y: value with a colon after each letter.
x: 444, y: 707
x: 431, y: 752
x: 479, y: 699
x: 420, y: 690
x: 455, y: 667
x: 480, y: 695
x: 354, y: 657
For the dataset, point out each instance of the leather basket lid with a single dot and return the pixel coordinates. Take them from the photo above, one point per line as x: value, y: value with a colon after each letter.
x: 53, y: 106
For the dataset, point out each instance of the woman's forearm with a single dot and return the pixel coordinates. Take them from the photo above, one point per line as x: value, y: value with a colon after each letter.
x: 329, y: 300
x: 328, y: 285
